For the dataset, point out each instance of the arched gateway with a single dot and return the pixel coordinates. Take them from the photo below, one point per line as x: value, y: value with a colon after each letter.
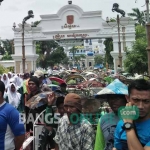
x: 71, y: 22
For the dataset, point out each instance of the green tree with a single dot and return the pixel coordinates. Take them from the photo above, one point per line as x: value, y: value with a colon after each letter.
x: 7, y: 49
x: 108, y: 48
x: 138, y: 16
x: 98, y: 59
x: 3, y: 70
x: 73, y: 50
x: 137, y: 56
x: 50, y: 53
x: 36, y: 23
x: 44, y: 49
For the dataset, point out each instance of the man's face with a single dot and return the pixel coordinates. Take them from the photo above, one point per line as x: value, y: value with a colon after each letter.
x: 70, y: 110
x: 32, y: 86
x: 115, y: 102
x: 141, y: 99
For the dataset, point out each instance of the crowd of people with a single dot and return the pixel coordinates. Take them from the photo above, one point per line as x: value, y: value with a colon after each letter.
x: 68, y: 133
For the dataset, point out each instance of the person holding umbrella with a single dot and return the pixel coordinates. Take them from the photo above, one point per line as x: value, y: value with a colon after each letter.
x: 34, y: 90
x: 114, y: 93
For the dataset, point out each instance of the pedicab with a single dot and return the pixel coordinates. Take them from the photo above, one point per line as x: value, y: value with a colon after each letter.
x: 72, y: 81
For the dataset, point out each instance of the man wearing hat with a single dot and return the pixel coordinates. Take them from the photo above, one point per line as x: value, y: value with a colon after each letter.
x: 74, y: 133
x: 40, y: 75
x: 114, y: 93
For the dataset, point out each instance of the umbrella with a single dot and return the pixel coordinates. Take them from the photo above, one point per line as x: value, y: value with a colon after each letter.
x: 60, y: 81
x: 116, y: 87
x: 37, y: 100
x: 53, y: 85
x: 40, y: 99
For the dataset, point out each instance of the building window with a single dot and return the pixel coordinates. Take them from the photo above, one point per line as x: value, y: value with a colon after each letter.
x: 90, y: 64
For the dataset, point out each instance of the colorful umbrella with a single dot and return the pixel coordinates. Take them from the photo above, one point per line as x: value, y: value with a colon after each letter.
x: 60, y: 81
x: 37, y: 100
x: 40, y: 99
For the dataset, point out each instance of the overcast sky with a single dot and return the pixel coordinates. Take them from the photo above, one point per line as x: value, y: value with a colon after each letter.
x: 15, y: 10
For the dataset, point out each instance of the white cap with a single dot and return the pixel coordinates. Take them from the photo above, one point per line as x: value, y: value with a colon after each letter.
x: 38, y: 74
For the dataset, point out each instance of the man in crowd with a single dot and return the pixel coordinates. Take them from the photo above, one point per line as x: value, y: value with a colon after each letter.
x: 108, y: 122
x: 134, y: 133
x: 72, y: 134
x: 49, y: 130
x: 12, y: 132
x: 40, y: 75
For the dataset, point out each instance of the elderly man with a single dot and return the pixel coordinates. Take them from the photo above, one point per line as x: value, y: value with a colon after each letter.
x: 72, y: 134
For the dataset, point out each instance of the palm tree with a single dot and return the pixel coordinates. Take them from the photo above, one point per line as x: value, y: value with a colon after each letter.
x: 138, y: 16
x: 73, y: 50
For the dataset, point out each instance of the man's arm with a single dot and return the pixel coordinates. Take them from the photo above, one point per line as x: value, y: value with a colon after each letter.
x: 132, y: 139
x: 99, y: 141
x: 17, y: 128
x: 133, y: 142
x: 19, y: 141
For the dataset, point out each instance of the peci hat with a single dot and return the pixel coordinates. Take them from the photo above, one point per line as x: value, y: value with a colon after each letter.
x: 38, y: 74
x: 74, y: 100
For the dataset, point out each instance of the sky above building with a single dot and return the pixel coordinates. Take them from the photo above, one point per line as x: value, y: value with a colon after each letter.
x: 15, y: 10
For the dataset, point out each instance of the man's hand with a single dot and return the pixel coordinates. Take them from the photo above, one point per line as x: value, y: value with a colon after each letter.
x: 51, y: 98
x: 19, y: 141
x: 114, y: 149
x: 126, y: 112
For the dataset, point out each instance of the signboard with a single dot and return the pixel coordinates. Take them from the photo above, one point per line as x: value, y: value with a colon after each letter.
x: 61, y: 36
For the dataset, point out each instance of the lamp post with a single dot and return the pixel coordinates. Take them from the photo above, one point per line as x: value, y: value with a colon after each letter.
x: 119, y: 42
x: 30, y: 15
x: 122, y: 12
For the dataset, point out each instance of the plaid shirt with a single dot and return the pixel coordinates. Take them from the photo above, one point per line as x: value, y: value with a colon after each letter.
x: 80, y: 136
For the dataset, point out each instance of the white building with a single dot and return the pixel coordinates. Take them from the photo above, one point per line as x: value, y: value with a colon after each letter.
x: 71, y: 23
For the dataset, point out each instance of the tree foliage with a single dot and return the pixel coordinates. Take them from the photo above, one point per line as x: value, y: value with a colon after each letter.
x: 108, y: 48
x: 6, y: 49
x: 138, y: 16
x: 3, y: 70
x: 136, y: 59
x: 98, y: 59
x: 73, y: 50
x: 50, y: 54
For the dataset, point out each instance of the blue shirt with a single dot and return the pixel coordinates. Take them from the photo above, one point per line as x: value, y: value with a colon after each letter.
x: 9, y: 126
x: 142, y: 129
